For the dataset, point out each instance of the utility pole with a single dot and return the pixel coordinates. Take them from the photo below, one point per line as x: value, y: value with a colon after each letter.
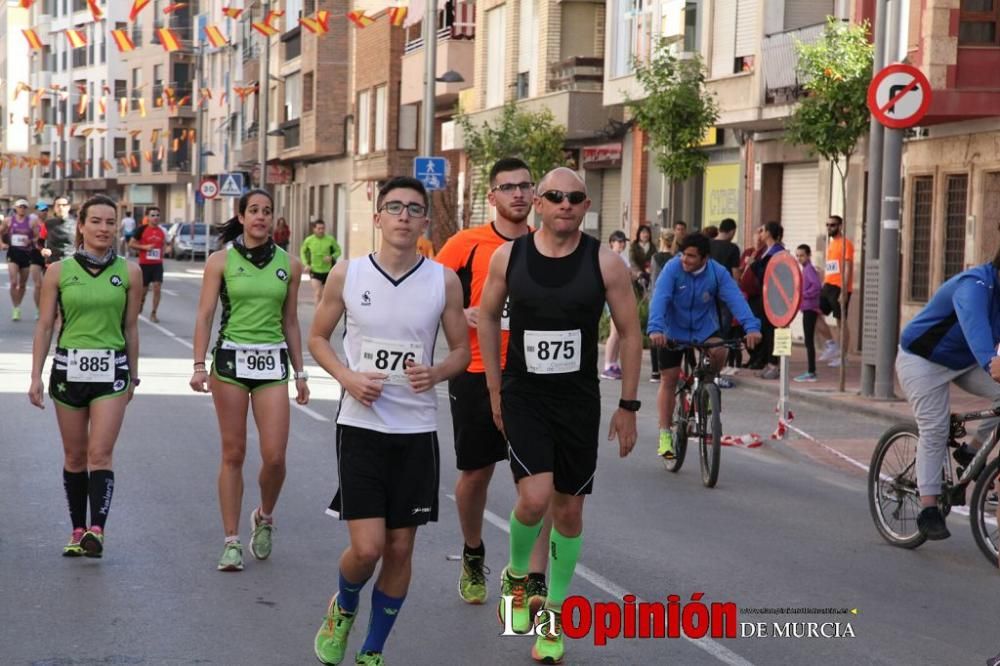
x: 199, y: 147
x: 430, y: 81
x: 264, y: 98
x: 876, y: 134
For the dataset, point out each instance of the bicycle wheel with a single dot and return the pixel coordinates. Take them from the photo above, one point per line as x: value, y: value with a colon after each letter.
x: 680, y: 433
x: 983, y: 512
x: 892, y: 486
x: 709, y: 433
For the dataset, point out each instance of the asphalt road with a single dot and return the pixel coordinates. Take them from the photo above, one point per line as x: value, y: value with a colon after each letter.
x: 779, y: 531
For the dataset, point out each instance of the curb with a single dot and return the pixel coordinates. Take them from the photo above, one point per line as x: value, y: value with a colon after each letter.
x: 882, y: 409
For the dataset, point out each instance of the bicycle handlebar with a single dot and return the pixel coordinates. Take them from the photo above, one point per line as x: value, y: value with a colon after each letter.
x: 678, y: 345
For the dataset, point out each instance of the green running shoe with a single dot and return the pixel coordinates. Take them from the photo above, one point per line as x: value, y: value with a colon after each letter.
x: 92, y: 542
x: 548, y: 647
x: 232, y: 557
x: 15, y: 314
x: 538, y: 592
x: 73, y: 548
x: 472, y: 583
x: 331, y: 639
x: 517, y: 588
x: 666, y: 448
x: 260, y: 538
x: 369, y: 659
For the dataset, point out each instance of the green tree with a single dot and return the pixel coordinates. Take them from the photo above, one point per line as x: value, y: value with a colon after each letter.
x: 835, y: 71
x: 676, y: 112
x: 532, y: 136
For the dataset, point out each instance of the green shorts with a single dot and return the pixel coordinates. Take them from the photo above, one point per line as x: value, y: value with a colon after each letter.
x: 224, y: 369
x: 79, y: 395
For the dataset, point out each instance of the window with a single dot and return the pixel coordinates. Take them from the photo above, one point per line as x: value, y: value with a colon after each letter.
x: 293, y: 12
x: 954, y: 224
x: 364, y: 122
x: 136, y: 87
x: 293, y: 97
x: 496, y: 46
x: 135, y: 159
x: 527, y: 50
x: 307, y: 92
x: 380, y: 118
x: 920, y: 240
x: 158, y: 85
x: 977, y: 22
x: 407, y: 135
x: 121, y: 89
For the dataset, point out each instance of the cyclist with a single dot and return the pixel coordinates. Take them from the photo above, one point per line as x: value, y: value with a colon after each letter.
x: 953, y: 339
x: 686, y: 307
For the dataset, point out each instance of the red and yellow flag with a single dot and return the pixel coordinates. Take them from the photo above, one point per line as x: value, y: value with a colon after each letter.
x: 77, y: 38
x: 82, y: 106
x: 137, y: 6
x: 169, y: 39
x: 215, y: 36
x: 142, y: 107
x: 95, y: 10
x: 232, y: 12
x: 264, y: 28
x: 106, y: 165
x: 318, y: 24
x: 26, y: 4
x: 170, y: 9
x: 34, y: 43
x: 123, y: 41
x: 122, y: 107
x: 148, y: 154
x: 397, y: 15
x: 358, y: 18
x: 133, y: 161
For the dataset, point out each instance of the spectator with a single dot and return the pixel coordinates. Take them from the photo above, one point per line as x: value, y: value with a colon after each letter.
x: 751, y: 288
x: 710, y: 232
x: 656, y: 264
x: 425, y: 247
x: 727, y: 253
x: 809, y: 309
x: 612, y: 370
x: 281, y: 234
x: 640, y: 254
x: 772, y: 233
x: 680, y: 231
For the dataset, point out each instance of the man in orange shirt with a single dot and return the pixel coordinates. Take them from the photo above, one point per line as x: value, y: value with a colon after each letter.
x: 478, y: 443
x: 829, y: 298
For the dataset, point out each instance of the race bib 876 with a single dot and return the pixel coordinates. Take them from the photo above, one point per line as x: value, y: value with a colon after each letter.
x: 552, y: 352
x: 390, y: 357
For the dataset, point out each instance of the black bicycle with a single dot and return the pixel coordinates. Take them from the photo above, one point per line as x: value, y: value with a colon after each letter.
x: 698, y: 409
x: 892, y: 485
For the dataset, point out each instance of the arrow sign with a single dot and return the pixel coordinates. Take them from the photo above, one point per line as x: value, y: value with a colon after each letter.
x: 899, y: 96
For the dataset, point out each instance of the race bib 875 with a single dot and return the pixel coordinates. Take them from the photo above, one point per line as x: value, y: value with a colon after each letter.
x: 390, y: 357
x: 552, y: 352
x: 90, y: 365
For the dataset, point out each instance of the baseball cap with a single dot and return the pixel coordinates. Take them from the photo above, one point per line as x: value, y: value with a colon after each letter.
x: 20, y: 202
x: 41, y: 205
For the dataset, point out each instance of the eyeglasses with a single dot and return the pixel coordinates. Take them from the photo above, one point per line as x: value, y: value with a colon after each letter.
x: 396, y: 208
x: 509, y: 188
x: 557, y: 196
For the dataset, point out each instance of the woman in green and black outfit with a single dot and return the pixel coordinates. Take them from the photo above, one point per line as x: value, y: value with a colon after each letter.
x: 94, y: 371
x: 258, y: 284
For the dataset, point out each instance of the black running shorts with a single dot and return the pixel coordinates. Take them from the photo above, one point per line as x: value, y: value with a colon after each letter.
x: 319, y: 276
x: 395, y: 477
x: 478, y: 443
x: 224, y: 369
x: 19, y: 256
x: 35, y: 258
x: 151, y: 273
x: 829, y: 300
x: 79, y: 395
x: 557, y: 435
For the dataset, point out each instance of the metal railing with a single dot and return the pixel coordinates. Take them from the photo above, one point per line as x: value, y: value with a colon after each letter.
x: 783, y: 82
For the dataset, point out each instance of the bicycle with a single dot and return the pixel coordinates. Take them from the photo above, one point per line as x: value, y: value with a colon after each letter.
x: 698, y: 409
x: 893, y: 497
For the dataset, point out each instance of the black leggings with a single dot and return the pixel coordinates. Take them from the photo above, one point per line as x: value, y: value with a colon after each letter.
x: 809, y: 330
x: 654, y: 358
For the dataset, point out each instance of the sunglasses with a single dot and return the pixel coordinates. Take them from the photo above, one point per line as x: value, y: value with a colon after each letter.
x: 396, y: 208
x: 509, y: 188
x: 557, y: 196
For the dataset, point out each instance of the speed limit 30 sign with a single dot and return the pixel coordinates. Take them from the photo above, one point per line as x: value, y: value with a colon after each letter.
x: 899, y: 96
x: 209, y: 188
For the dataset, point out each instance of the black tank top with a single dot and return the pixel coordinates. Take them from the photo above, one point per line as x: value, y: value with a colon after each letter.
x: 555, y: 309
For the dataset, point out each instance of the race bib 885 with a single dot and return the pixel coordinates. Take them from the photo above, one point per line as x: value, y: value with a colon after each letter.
x: 90, y: 365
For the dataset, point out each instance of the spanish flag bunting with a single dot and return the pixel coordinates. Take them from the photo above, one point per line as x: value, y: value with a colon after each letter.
x: 232, y: 12
x: 161, y: 152
x: 323, y: 17
x: 264, y: 28
x: 21, y: 87
x: 82, y: 107
x: 87, y: 132
x: 76, y: 165
x: 148, y: 154
x: 215, y: 36
x: 106, y: 89
x: 169, y: 92
x: 122, y: 107
x: 154, y: 135
x: 137, y: 6
x: 192, y: 134
x: 72, y: 130
x: 3, y: 163
x: 273, y: 14
x: 106, y: 165
x: 133, y: 161
x: 175, y: 145
x: 34, y: 43
x: 123, y: 161
x: 358, y: 18
x: 184, y: 101
x: 102, y: 106
x: 59, y: 163
x: 39, y: 125
x: 223, y: 98
x: 44, y: 160
x: 397, y: 15
x: 142, y: 107
x: 169, y: 40
x: 81, y: 88
x: 170, y: 9
x: 77, y: 38
x: 123, y: 41
x: 26, y: 4
x: 95, y: 10
x: 314, y: 25
x: 135, y: 133
x: 60, y: 129
x: 243, y: 91
x: 36, y: 99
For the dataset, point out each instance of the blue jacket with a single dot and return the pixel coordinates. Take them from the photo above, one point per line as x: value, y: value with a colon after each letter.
x: 685, y: 306
x: 960, y: 325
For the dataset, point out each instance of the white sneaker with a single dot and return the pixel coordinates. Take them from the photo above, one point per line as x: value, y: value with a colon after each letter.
x: 831, y: 352
x: 729, y: 371
x: 834, y: 363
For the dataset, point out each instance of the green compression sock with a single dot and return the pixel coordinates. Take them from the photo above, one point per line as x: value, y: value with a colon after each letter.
x: 522, y: 540
x: 564, y: 552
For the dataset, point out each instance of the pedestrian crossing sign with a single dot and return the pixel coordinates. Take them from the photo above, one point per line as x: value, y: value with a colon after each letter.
x: 231, y: 185
x: 431, y: 171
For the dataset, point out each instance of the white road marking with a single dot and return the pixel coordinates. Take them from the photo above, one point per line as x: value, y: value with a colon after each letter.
x: 167, y: 332
x: 714, y: 648
x: 169, y: 292
x: 316, y: 415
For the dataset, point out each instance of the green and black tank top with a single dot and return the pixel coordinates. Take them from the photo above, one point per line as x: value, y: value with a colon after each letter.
x: 93, y: 305
x: 254, y: 287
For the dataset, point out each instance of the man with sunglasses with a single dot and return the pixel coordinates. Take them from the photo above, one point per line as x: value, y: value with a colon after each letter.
x: 393, y: 303
x: 547, y: 399
x: 479, y: 445
x: 838, y: 250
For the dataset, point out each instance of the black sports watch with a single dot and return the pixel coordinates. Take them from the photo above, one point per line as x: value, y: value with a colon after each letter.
x: 629, y: 405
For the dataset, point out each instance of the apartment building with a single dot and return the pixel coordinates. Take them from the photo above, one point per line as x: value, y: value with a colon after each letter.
x: 15, y: 134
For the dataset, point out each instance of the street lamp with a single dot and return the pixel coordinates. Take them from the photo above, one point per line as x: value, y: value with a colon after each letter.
x: 451, y: 76
x: 430, y: 80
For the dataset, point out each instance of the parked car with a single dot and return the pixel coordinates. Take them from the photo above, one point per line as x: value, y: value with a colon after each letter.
x: 187, y: 240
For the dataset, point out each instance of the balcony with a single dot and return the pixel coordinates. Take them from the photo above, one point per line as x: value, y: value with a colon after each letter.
x: 782, y: 81
x: 577, y: 73
x: 581, y: 112
x: 457, y: 55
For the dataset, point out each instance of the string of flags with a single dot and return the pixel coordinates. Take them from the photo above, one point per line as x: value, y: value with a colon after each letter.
x: 317, y: 24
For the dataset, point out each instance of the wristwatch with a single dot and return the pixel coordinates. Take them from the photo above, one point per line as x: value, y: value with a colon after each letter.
x: 629, y: 405
x: 136, y: 381
x: 302, y: 375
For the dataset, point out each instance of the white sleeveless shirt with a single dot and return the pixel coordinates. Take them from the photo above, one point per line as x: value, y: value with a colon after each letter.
x: 387, y: 322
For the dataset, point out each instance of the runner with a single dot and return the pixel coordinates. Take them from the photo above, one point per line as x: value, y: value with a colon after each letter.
x: 22, y: 228
x: 95, y: 368
x: 479, y: 445
x: 60, y: 234
x: 557, y: 280
x: 149, y: 240
x: 319, y: 254
x: 387, y: 452
x: 258, y: 284
x: 128, y: 228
